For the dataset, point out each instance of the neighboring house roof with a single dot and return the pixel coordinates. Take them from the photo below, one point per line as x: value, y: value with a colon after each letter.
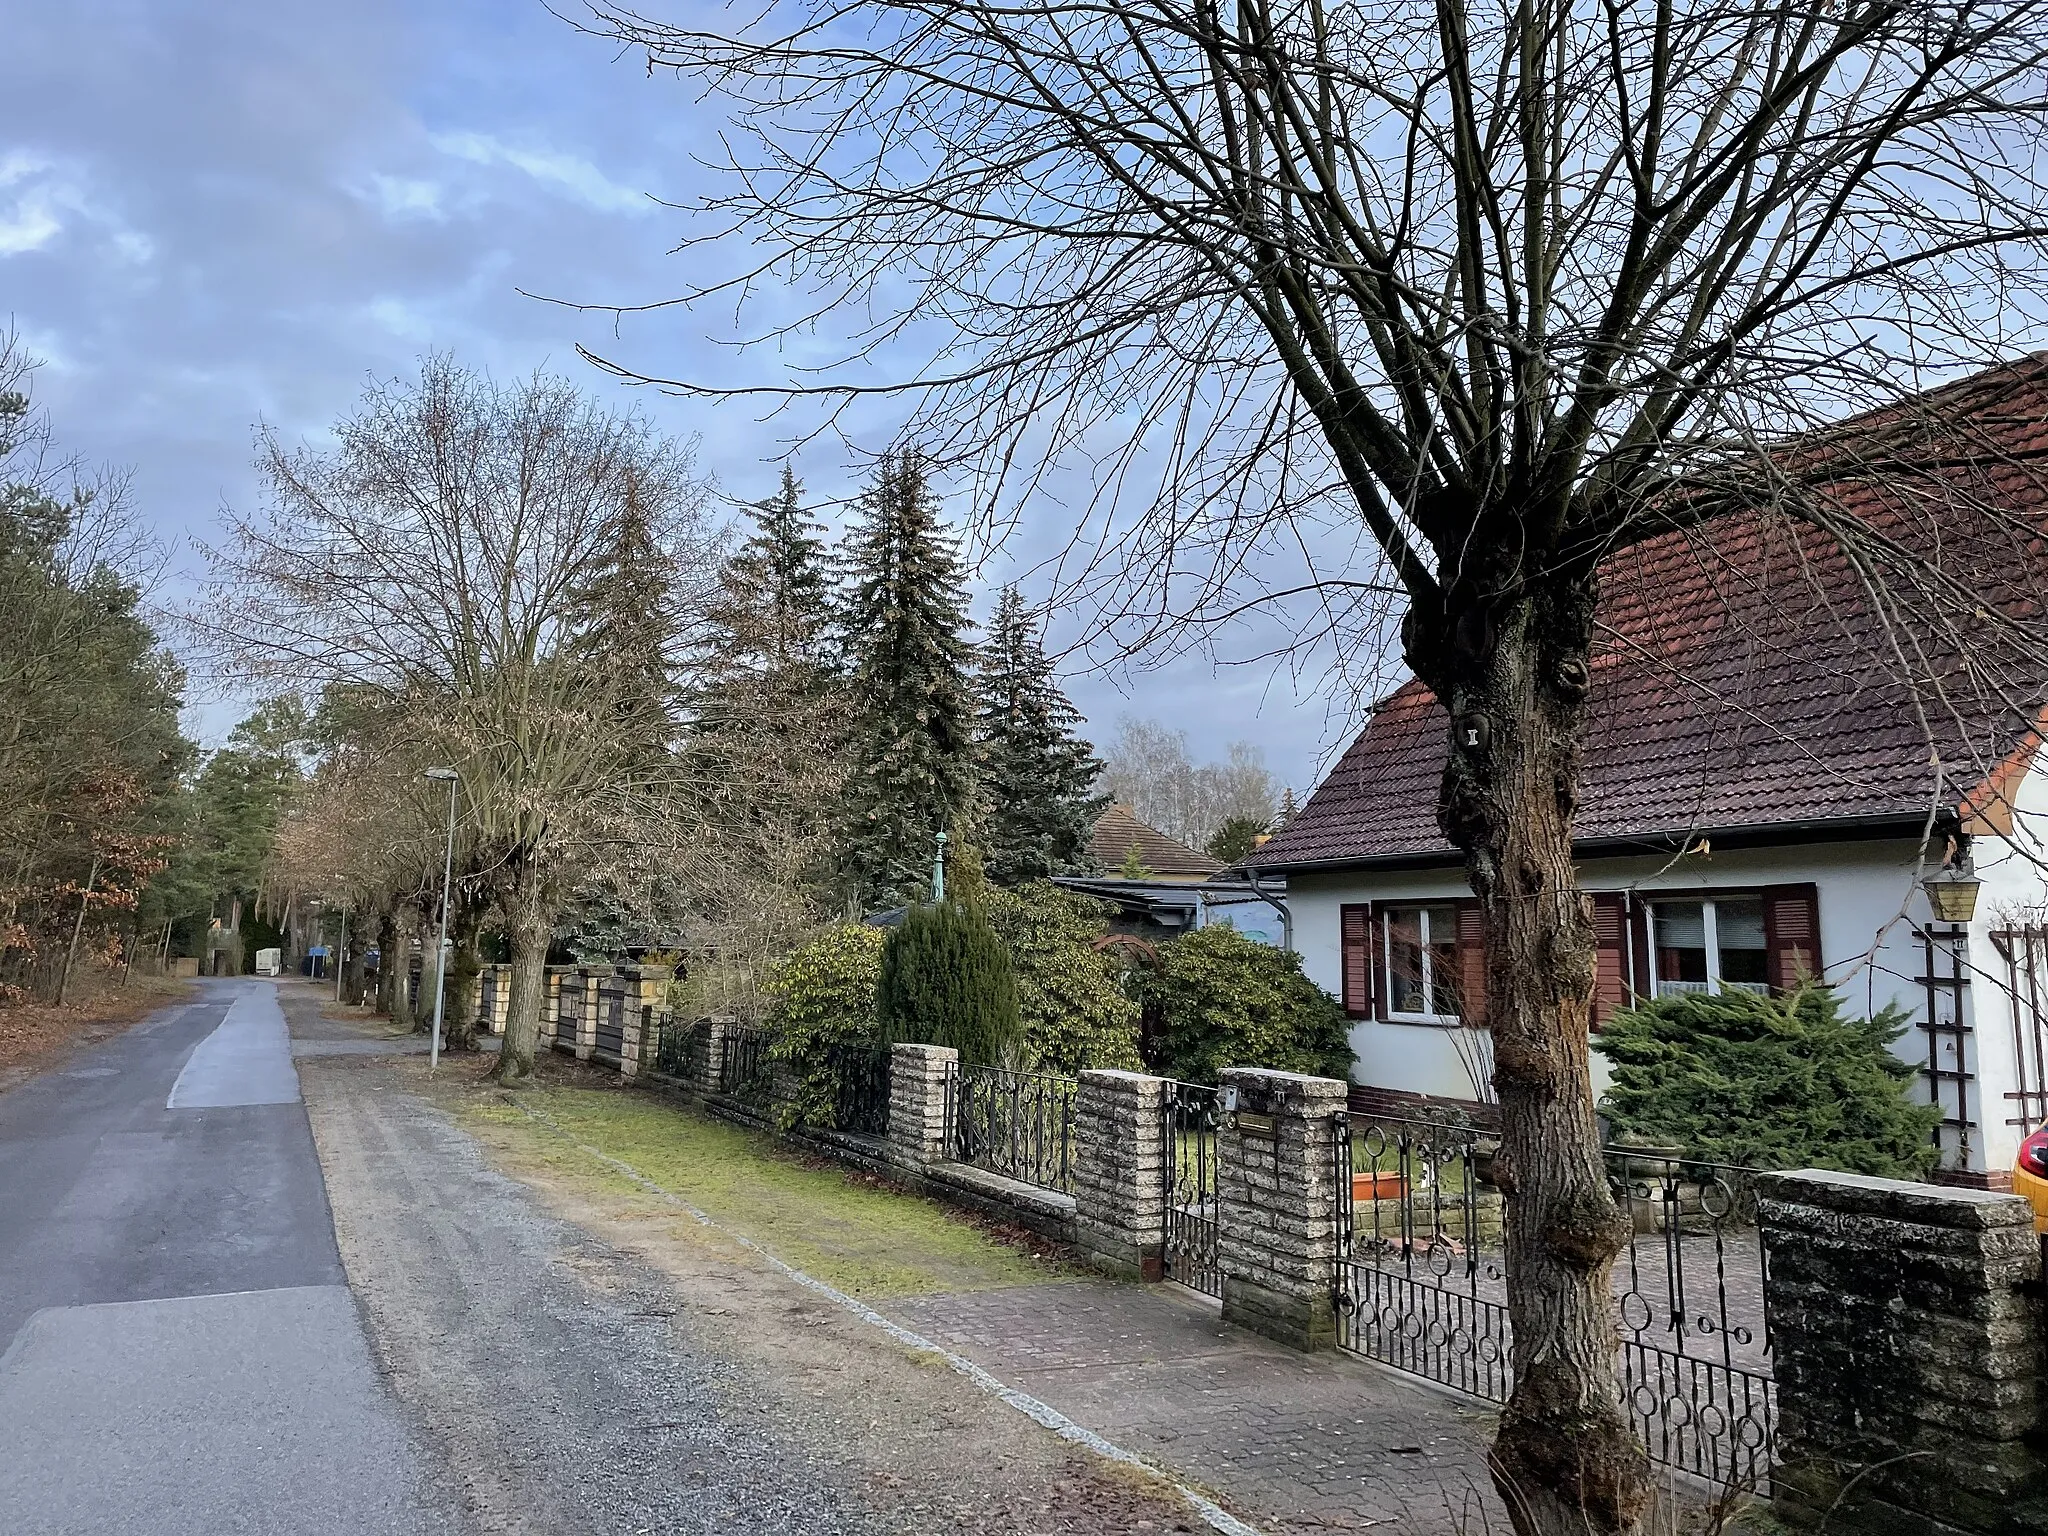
x: 1117, y: 832
x: 1743, y: 685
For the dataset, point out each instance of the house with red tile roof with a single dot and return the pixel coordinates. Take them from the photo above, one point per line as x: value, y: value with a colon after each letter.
x: 1770, y: 782
x: 1119, y: 838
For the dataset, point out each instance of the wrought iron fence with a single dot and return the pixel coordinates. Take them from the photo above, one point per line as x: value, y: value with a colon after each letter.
x: 1695, y: 1319
x: 1018, y: 1124
x: 680, y: 1047
x: 1192, y: 1113
x: 1422, y: 1285
x: 744, y: 1068
x: 860, y: 1097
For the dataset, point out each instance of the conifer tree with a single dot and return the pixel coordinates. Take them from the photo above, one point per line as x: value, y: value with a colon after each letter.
x: 911, y: 728
x: 772, y: 619
x: 627, y: 628
x: 767, y: 738
x: 628, y: 631
x: 1035, y: 800
x: 947, y: 979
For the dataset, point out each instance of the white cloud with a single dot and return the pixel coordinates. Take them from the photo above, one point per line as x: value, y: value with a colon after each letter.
x: 399, y: 318
x: 405, y: 197
x: 48, y: 200
x: 568, y: 173
x: 29, y: 225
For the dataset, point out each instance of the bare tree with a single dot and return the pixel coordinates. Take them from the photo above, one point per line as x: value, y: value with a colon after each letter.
x: 437, y: 561
x: 1455, y: 301
x: 1150, y: 769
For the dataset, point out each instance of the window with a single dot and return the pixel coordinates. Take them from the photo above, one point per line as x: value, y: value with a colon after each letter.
x: 1705, y: 946
x: 1422, y: 962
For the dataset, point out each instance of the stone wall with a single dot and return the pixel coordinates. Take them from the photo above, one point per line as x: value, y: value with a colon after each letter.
x: 1907, y: 1332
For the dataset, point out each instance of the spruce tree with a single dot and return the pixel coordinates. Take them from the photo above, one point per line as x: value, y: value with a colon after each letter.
x: 910, y: 727
x: 766, y: 743
x: 772, y: 620
x: 1035, y: 803
x: 627, y: 628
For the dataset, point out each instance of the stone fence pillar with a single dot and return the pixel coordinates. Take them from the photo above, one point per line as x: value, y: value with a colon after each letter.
x: 644, y: 988
x: 551, y: 1005
x: 918, y: 1078
x: 593, y: 1000
x: 711, y: 1070
x: 1121, y: 1153
x: 1276, y: 1199
x: 1906, y: 1326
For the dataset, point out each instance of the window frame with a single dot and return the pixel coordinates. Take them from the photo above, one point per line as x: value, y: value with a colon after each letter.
x: 1710, y: 937
x: 1385, y: 956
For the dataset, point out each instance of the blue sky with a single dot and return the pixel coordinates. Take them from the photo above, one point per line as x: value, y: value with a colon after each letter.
x: 218, y: 213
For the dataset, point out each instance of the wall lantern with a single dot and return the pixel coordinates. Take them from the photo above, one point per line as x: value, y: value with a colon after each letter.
x: 1952, y: 890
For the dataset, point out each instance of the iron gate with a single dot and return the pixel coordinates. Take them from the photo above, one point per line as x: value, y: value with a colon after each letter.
x: 1191, y: 1115
x: 1422, y: 1286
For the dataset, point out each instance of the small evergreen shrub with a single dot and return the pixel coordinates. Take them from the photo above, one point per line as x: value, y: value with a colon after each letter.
x: 1071, y: 1000
x: 823, y: 997
x: 1774, y: 1082
x: 946, y: 979
x: 1227, y: 1001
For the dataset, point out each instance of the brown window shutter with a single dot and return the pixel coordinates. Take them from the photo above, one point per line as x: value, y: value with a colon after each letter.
x: 1355, y: 944
x: 1791, y: 934
x: 1471, y: 965
x: 1610, y: 955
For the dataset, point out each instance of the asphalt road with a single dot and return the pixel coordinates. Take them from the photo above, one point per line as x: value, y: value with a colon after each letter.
x: 179, y: 1351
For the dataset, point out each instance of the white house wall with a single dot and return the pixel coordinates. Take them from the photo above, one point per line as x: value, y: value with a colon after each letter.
x: 1870, y: 908
x: 2013, y: 895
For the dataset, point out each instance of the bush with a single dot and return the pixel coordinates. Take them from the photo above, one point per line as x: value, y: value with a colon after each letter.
x: 824, y: 996
x: 1071, y: 1001
x: 1226, y: 1001
x: 946, y: 979
x: 1784, y: 1082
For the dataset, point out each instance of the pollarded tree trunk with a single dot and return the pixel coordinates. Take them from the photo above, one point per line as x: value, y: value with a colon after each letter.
x: 387, y: 963
x: 404, y: 999
x: 528, y: 928
x: 352, y: 972
x: 1566, y: 1458
x: 464, y: 964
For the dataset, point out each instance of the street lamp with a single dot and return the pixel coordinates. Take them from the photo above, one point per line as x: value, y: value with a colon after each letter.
x: 451, y: 778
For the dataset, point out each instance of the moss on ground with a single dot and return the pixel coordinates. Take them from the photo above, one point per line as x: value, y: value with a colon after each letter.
x: 851, y: 1230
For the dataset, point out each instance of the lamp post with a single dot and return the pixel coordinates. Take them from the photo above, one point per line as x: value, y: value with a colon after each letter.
x: 450, y: 776
x: 939, y: 871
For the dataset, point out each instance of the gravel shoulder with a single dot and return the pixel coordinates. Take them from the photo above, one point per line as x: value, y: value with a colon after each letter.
x: 584, y: 1357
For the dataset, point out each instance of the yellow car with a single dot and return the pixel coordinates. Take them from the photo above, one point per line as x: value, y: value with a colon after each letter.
x: 2030, y: 1176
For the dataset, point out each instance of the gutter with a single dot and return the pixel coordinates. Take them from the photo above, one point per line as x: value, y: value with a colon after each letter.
x: 1286, y: 917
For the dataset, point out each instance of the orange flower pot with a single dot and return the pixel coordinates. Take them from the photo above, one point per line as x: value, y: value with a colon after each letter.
x: 1377, y: 1186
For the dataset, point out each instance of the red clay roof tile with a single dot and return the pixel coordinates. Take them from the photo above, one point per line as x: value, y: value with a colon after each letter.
x: 1741, y: 678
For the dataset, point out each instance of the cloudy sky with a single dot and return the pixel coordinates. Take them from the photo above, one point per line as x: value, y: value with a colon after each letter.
x: 220, y: 212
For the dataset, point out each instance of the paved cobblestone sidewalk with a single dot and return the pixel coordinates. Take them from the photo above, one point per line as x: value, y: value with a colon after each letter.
x: 1295, y: 1443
